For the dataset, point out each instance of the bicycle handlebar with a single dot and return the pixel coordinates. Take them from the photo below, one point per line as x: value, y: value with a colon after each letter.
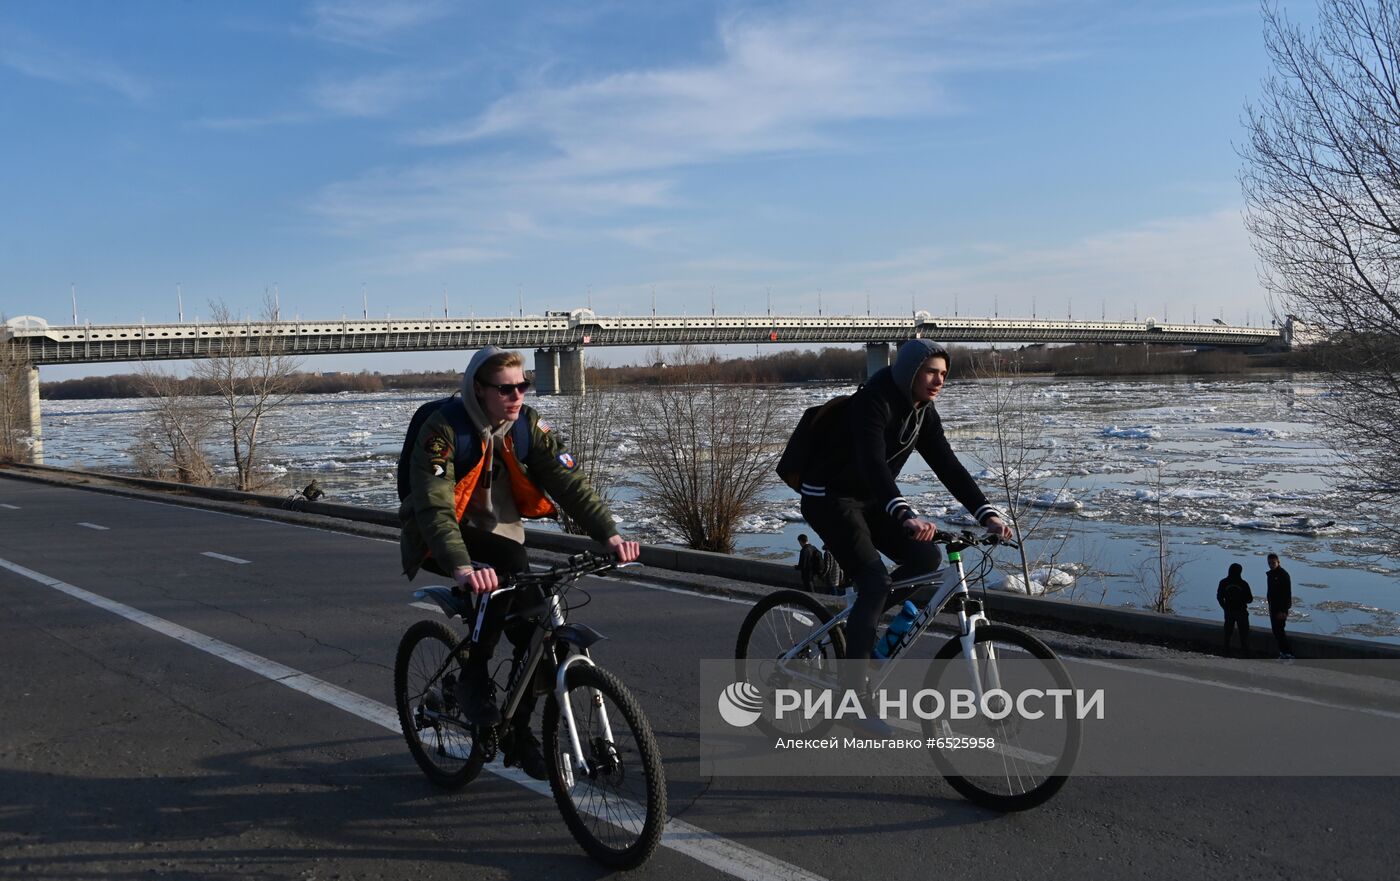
x: 967, y: 539
x: 576, y: 566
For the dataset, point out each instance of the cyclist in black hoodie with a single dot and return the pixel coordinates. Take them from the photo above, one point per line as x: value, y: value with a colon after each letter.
x: 849, y: 494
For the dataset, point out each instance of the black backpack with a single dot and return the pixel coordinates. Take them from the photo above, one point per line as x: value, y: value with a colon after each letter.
x: 831, y: 570
x: 799, y: 446
x: 456, y: 413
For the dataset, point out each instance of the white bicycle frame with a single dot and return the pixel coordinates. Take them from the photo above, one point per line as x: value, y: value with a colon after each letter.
x: 954, y: 583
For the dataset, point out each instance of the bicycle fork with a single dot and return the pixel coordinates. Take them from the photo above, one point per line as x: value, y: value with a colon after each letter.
x: 971, y: 617
x: 561, y: 696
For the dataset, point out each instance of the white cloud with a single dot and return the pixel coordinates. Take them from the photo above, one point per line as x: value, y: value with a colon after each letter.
x: 366, y: 22
x: 33, y: 57
x: 1170, y: 265
x: 777, y: 82
x: 372, y: 94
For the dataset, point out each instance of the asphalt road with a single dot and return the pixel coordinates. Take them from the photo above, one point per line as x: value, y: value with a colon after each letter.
x: 125, y: 752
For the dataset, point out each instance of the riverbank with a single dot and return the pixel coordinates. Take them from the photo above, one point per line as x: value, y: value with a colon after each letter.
x: 832, y: 364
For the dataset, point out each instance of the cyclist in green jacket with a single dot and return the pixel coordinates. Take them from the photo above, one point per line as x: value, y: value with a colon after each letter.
x: 472, y: 479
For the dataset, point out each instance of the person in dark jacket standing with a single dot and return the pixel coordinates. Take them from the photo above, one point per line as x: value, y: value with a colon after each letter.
x: 849, y: 494
x: 809, y: 563
x: 1234, y: 596
x: 1280, y: 596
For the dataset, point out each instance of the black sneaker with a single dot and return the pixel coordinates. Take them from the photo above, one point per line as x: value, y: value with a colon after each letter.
x: 522, y: 749
x: 476, y: 695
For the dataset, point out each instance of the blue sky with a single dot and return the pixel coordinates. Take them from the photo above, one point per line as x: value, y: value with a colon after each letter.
x: 1062, y: 156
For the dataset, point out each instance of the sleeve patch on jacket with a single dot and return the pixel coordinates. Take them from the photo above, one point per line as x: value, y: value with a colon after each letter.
x: 439, y: 467
x: 567, y: 461
x: 543, y: 426
x: 436, y: 447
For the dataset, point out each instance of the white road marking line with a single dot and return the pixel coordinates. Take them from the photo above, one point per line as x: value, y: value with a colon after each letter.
x: 428, y: 607
x: 224, y: 557
x: 1230, y: 686
x: 706, y: 847
x: 11, y: 507
x: 94, y: 526
x: 690, y: 593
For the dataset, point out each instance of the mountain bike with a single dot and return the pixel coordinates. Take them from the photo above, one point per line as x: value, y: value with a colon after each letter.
x: 604, y: 765
x: 795, y: 639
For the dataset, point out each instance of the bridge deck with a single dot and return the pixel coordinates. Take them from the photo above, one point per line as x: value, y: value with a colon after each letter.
x: 45, y: 344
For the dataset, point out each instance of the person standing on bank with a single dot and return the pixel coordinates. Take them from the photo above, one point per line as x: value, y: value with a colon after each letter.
x: 1280, y: 596
x: 809, y: 563
x: 849, y: 494
x: 474, y: 472
x: 1234, y: 596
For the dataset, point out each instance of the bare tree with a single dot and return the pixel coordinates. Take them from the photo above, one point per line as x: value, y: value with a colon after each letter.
x: 587, y: 429
x: 1321, y: 181
x: 14, y: 402
x: 172, y: 445
x: 705, y: 452
x: 1018, y: 459
x: 249, y: 380
x: 1159, y: 576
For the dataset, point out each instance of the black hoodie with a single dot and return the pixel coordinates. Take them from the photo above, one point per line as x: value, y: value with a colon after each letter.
x: 879, y: 429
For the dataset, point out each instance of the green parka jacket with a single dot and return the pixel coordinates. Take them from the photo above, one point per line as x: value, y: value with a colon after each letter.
x: 430, y: 532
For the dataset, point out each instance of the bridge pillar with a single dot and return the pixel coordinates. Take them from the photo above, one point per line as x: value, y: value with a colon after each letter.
x: 546, y: 372
x: 31, y: 415
x: 571, y: 381
x: 877, y: 357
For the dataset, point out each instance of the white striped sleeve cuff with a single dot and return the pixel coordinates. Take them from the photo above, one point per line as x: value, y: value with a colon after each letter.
x: 986, y: 512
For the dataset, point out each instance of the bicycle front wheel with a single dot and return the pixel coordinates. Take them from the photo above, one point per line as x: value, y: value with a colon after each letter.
x: 1000, y: 755
x: 425, y: 694
x: 615, y: 806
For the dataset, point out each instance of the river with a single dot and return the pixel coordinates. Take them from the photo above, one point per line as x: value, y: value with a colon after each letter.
x: 1229, y: 469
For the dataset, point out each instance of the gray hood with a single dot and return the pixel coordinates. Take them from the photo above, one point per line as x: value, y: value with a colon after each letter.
x: 907, y: 361
x: 478, y: 415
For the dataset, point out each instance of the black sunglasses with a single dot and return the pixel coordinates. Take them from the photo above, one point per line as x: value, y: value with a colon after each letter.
x: 506, y: 388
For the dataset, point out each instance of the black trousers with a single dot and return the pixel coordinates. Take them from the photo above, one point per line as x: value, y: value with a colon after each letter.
x: 507, y: 558
x: 1237, y: 621
x: 857, y: 534
x: 1279, y: 619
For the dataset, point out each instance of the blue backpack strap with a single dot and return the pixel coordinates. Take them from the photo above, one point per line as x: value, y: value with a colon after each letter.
x: 466, y: 446
x: 520, y: 435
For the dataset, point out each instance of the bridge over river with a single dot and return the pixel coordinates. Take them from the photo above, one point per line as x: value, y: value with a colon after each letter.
x: 561, y: 338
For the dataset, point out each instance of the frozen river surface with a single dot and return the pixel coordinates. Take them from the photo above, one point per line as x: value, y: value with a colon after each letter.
x: 1230, y: 469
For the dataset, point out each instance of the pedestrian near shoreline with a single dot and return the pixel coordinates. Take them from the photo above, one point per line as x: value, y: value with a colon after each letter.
x: 1280, y: 596
x: 1234, y: 596
x: 809, y: 563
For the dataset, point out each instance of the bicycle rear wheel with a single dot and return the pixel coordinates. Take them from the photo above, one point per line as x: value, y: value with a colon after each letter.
x: 425, y: 694
x: 779, y: 621
x: 616, y: 807
x: 1031, y: 757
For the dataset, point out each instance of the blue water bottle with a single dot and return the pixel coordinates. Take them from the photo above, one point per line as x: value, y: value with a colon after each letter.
x: 898, y: 627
